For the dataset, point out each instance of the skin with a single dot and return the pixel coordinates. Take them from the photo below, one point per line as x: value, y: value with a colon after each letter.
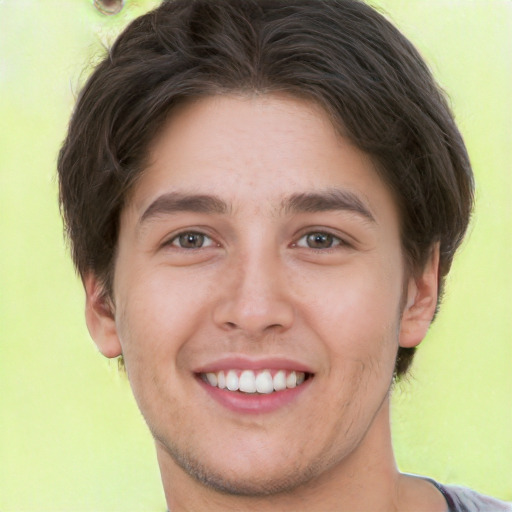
x: 256, y: 287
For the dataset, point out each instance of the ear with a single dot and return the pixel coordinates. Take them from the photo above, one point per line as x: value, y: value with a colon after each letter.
x: 100, y: 319
x: 420, y: 307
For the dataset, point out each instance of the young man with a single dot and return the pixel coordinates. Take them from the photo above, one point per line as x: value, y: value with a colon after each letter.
x: 263, y: 200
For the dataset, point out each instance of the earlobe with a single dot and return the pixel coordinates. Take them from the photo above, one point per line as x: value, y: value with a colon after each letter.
x: 99, y: 316
x: 421, y: 302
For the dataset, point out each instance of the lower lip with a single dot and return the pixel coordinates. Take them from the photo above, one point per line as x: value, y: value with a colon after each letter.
x: 254, y: 403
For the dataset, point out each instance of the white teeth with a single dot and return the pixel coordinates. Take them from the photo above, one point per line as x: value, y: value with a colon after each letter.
x: 291, y: 380
x: 249, y: 381
x: 280, y: 380
x: 221, y: 380
x: 264, y: 383
x: 211, y: 378
x: 232, y: 380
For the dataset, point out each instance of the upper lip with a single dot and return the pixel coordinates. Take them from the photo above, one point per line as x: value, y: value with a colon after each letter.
x: 245, y: 363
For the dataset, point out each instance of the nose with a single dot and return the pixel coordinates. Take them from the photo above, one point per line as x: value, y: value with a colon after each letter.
x: 255, y: 298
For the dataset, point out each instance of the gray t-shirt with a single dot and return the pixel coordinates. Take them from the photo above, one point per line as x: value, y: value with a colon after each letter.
x: 462, y: 499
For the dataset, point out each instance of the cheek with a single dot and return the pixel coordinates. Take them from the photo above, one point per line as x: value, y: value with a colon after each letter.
x: 356, y: 310
x: 161, y: 302
x: 153, y: 327
x: 156, y: 314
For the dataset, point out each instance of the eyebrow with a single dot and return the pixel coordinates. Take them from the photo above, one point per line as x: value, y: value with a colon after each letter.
x: 329, y: 200
x: 174, y: 202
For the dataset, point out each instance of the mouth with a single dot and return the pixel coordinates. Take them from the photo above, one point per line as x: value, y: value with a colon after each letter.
x: 255, y: 382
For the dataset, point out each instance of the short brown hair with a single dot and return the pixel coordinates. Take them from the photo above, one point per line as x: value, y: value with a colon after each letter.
x: 341, y: 54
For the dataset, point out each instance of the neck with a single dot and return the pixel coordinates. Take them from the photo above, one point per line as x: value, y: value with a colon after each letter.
x: 367, y: 479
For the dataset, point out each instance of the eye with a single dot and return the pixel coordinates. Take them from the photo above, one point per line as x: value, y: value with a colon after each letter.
x: 319, y: 240
x: 191, y: 240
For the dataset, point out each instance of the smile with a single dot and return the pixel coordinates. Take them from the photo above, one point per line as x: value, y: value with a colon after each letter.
x: 260, y: 381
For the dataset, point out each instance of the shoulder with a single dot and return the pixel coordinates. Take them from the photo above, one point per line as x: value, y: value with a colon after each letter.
x: 462, y: 499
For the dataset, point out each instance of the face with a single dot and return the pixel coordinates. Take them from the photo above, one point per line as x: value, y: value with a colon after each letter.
x: 258, y: 289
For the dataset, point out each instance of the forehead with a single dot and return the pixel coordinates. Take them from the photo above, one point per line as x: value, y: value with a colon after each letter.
x: 255, y: 151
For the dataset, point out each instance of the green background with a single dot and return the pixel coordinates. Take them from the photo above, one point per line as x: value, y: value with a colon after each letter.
x: 71, y: 437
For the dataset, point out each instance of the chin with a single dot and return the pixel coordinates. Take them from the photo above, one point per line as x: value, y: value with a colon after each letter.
x: 254, y: 478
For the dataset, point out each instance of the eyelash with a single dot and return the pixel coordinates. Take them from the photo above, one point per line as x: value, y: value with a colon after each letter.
x: 335, y: 241
x: 176, y: 239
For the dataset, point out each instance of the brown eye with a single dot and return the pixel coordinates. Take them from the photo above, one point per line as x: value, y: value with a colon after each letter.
x: 191, y: 240
x: 319, y: 240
